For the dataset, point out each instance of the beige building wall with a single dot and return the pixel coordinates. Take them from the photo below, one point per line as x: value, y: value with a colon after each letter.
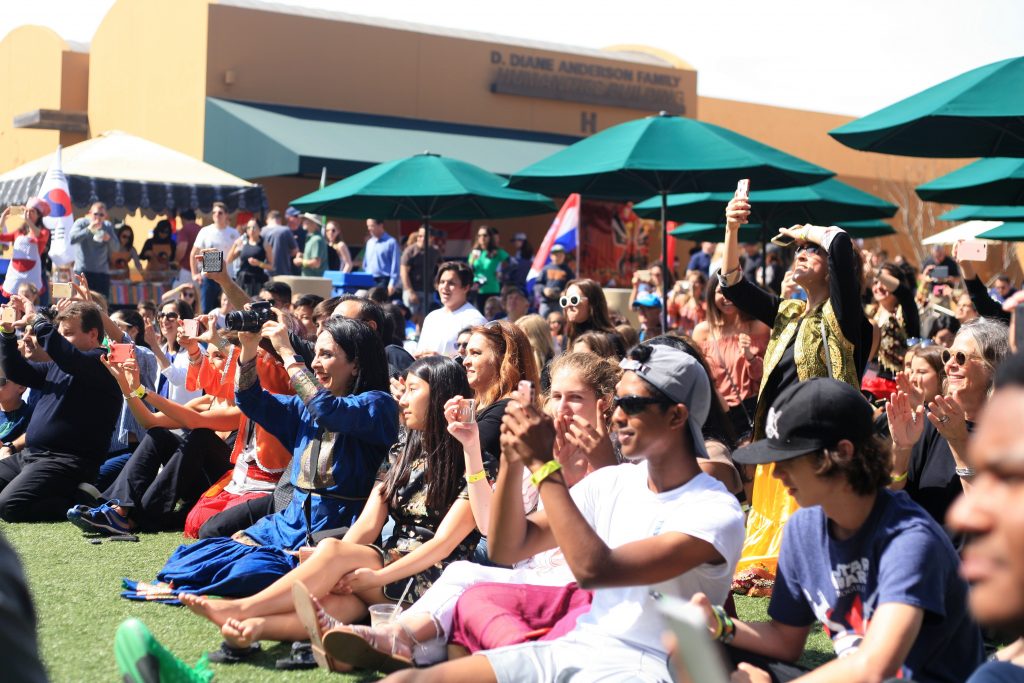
x: 357, y: 66
x: 38, y: 70
x: 148, y: 72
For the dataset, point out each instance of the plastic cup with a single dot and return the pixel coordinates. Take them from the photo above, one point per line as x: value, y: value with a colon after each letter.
x: 467, y: 410
x: 383, y: 614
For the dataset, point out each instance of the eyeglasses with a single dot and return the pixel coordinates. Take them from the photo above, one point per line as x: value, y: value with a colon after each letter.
x: 462, y: 345
x: 573, y: 300
x: 3, y: 381
x: 168, y: 316
x: 634, y: 405
x: 188, y: 295
x: 960, y: 357
x: 811, y: 247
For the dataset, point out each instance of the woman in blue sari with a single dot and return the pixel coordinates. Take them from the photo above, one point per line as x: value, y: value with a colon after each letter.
x: 340, y: 423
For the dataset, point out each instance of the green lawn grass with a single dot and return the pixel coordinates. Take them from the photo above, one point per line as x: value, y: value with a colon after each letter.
x: 76, y: 589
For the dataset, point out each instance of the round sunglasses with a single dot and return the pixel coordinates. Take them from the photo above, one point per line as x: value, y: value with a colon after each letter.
x: 573, y: 300
x: 960, y: 357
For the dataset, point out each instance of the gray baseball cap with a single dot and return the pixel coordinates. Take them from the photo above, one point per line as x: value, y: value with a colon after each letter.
x: 680, y: 377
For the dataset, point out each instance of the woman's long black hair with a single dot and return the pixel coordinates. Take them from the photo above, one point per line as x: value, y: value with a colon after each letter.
x: 133, y: 318
x: 363, y: 347
x: 443, y: 452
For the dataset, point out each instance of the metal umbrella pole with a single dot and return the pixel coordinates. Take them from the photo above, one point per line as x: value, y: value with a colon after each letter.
x: 668, y: 266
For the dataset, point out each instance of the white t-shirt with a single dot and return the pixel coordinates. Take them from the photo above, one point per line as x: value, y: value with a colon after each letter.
x: 211, y: 237
x: 441, y: 328
x: 621, y: 508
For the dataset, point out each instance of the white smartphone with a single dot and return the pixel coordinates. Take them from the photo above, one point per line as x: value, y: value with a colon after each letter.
x: 697, y: 656
x: 743, y: 189
x: 972, y: 250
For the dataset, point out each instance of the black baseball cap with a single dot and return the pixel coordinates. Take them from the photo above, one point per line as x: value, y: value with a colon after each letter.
x: 808, y: 416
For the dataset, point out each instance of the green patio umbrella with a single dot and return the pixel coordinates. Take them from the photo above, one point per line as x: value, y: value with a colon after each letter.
x: 663, y: 155
x: 424, y: 187
x: 1007, y: 232
x: 997, y: 181
x: 751, y: 233
x: 979, y: 113
x: 984, y: 213
x: 823, y: 203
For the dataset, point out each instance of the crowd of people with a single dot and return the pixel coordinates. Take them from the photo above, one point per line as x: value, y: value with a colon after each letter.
x: 514, y: 476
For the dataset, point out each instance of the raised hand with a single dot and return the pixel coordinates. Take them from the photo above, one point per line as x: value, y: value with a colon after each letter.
x: 904, y: 385
x: 737, y: 213
x: 276, y: 332
x: 906, y: 423
x: 949, y: 418
x: 527, y: 436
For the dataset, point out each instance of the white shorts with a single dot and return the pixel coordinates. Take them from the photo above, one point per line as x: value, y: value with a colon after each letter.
x: 580, y: 657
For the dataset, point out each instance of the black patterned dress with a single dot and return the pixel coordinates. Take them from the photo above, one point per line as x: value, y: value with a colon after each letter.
x: 415, y: 524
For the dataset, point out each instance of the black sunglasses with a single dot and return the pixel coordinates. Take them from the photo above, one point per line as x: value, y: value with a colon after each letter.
x: 168, y: 316
x: 811, y: 247
x: 634, y: 405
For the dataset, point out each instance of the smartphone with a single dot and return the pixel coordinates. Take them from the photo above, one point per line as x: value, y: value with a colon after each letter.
x: 938, y: 272
x: 743, y: 189
x: 526, y: 390
x: 467, y: 410
x: 972, y: 250
x: 213, y: 261
x: 60, y: 290
x: 119, y: 353
x: 190, y: 327
x: 643, y: 276
x: 782, y: 240
x: 8, y: 316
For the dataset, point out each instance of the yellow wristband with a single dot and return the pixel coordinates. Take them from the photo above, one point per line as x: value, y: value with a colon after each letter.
x: 897, y: 479
x: 474, y: 478
x: 139, y: 392
x: 544, y: 471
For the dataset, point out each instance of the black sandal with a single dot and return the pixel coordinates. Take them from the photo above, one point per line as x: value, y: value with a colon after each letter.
x: 301, y: 657
x: 227, y: 654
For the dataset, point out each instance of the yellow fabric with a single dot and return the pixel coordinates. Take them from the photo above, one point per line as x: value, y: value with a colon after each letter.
x: 771, y: 505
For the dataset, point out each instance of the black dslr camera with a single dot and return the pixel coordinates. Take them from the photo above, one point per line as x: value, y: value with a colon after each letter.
x: 251, y: 320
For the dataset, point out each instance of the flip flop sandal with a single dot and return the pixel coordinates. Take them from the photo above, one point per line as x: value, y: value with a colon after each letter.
x: 227, y: 654
x: 346, y: 645
x: 307, y: 613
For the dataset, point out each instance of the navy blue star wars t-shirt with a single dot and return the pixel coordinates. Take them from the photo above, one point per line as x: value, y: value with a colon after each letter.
x: 899, y: 555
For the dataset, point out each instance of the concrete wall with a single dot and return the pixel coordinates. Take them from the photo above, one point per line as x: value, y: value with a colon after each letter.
x: 148, y: 72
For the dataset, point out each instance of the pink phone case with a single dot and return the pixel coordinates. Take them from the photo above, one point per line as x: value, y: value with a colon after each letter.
x: 972, y: 250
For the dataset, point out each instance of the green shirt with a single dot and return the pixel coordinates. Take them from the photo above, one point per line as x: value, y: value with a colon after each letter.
x: 316, y: 247
x: 485, y: 270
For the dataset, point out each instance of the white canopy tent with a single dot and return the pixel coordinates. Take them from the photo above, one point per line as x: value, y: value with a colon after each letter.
x: 127, y: 171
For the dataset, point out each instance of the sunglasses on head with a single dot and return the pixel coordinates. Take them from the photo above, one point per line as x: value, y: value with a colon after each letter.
x: 634, y: 405
x: 168, y: 316
x: 960, y: 357
x: 573, y: 300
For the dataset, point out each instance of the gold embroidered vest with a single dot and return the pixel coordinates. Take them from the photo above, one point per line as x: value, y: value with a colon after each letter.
x: 808, y: 350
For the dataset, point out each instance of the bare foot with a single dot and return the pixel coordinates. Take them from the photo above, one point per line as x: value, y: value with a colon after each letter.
x: 217, y: 611
x: 242, y: 633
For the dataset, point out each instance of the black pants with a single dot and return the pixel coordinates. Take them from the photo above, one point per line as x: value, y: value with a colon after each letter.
x: 40, y: 486
x: 160, y: 498
x: 237, y: 517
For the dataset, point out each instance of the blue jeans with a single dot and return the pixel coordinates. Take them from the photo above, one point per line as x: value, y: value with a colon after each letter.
x: 209, y: 295
x: 110, y: 468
